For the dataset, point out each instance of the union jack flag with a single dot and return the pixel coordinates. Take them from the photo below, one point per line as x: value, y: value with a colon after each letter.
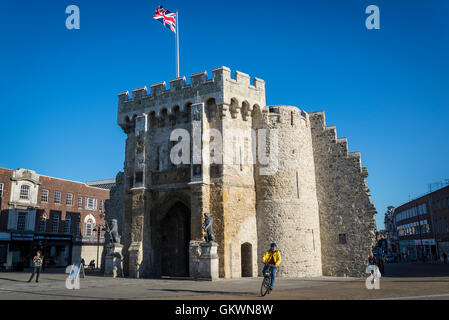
x: 167, y: 18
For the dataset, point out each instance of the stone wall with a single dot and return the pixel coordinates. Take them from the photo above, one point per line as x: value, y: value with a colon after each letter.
x: 346, y: 212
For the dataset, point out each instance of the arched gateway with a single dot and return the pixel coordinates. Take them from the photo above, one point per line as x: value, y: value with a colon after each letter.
x: 174, y: 233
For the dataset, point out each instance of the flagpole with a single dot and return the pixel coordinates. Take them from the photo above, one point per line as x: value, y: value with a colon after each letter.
x: 177, y: 44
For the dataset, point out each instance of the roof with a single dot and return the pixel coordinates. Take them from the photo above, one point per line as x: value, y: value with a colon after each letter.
x: 103, y: 184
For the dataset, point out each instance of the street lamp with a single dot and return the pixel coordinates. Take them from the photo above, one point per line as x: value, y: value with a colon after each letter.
x: 98, y: 229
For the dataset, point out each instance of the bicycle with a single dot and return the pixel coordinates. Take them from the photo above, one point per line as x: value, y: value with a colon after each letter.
x: 266, y: 283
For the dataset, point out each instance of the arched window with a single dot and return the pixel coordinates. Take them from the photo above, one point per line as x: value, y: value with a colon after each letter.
x: 88, y: 228
x: 25, y: 192
x: 89, y: 225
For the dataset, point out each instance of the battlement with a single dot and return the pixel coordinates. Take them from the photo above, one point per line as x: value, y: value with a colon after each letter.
x: 200, y: 86
x: 283, y: 115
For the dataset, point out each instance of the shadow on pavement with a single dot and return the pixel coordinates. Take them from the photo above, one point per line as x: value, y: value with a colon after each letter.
x: 200, y: 292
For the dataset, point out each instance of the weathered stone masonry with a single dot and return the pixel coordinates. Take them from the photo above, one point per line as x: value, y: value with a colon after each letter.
x: 316, y: 198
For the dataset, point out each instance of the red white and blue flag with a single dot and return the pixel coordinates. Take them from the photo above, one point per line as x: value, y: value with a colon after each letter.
x: 167, y: 18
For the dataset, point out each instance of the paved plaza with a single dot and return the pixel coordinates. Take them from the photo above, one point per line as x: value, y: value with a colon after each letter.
x: 401, y: 281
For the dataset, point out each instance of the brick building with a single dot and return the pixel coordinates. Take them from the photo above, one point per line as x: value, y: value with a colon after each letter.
x: 423, y: 226
x: 57, y: 216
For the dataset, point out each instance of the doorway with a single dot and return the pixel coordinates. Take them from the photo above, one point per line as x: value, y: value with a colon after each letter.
x: 175, y: 238
x: 246, y: 254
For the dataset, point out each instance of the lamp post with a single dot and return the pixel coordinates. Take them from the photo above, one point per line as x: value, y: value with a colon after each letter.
x: 98, y: 229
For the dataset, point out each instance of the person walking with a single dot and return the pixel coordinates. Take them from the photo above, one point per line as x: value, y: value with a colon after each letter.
x: 371, y: 259
x: 37, y: 265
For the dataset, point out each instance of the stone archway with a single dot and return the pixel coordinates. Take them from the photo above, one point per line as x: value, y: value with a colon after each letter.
x: 175, y: 237
x: 246, y: 254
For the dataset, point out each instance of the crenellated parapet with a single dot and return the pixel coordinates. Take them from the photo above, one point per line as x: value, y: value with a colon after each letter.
x: 229, y: 94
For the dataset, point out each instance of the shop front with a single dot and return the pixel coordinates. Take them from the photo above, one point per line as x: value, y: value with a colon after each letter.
x: 413, y: 250
x: 5, y: 238
x: 56, y: 249
x: 428, y: 248
x: 444, y: 248
x: 20, y: 251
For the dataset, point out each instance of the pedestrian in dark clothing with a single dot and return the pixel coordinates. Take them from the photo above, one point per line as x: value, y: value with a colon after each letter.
x: 371, y: 259
x: 37, y: 265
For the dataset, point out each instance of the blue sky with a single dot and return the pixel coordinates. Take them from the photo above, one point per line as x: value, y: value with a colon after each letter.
x: 386, y: 90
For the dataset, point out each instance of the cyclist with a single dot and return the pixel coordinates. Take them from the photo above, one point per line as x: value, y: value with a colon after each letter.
x: 272, y: 257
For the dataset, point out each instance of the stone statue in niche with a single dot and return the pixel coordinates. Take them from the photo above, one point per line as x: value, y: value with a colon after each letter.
x: 207, y: 227
x: 139, y: 144
x: 197, y: 114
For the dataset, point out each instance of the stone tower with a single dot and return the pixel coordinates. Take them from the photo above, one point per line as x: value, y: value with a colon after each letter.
x: 165, y: 202
x: 287, y: 206
x: 291, y: 203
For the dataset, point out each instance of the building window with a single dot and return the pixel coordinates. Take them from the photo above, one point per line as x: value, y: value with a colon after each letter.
x: 91, y: 204
x: 1, y: 190
x: 80, y: 203
x: 57, y: 197
x: 139, y: 177
x: 21, y: 221
x: 101, y: 205
x: 55, y: 222
x: 342, y: 238
x: 44, y: 196
x: 69, y: 199
x: 67, y: 223
x: 42, y: 223
x: 78, y: 228
x: 25, y: 192
x: 89, y: 228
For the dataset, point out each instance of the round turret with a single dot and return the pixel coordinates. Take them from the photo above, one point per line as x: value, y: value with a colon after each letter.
x: 287, y: 206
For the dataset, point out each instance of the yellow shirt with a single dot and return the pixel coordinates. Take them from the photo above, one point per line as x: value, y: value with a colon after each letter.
x: 275, y: 255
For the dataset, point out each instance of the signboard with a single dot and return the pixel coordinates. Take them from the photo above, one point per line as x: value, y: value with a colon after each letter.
x: 425, y: 242
x: 52, y: 238
x: 5, y: 236
x: 22, y: 237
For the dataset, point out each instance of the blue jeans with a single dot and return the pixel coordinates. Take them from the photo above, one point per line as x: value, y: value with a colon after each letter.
x: 273, y: 273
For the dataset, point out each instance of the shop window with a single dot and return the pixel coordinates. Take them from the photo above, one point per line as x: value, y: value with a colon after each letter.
x: 55, y: 223
x: 42, y: 223
x: 21, y: 221
x: 67, y: 223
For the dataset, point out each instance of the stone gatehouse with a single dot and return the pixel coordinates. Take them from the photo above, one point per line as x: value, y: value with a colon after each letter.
x: 310, y: 197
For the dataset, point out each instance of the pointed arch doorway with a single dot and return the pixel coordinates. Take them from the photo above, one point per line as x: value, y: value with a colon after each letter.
x: 175, y: 238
